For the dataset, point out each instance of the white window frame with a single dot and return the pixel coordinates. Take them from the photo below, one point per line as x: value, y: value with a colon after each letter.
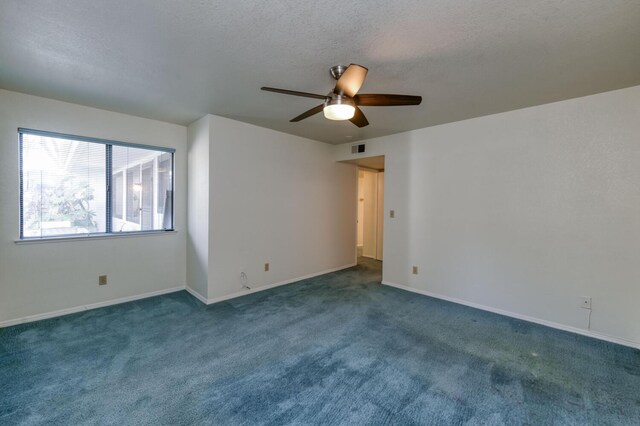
x: 109, y: 185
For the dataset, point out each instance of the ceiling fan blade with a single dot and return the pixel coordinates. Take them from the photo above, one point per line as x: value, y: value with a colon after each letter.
x: 351, y: 80
x: 294, y: 93
x: 371, y: 99
x: 308, y: 114
x: 359, y: 119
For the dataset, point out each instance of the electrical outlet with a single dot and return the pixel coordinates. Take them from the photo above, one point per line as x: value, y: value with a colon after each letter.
x: 392, y: 214
x: 266, y: 267
x: 585, y: 302
x: 102, y: 280
x: 415, y: 270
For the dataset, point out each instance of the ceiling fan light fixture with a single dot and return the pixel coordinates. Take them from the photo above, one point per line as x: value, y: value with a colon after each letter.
x: 339, y: 108
x: 339, y: 112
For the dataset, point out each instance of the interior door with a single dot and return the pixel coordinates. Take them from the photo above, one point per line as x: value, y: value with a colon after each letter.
x: 360, y: 241
x: 370, y: 212
x: 380, y: 214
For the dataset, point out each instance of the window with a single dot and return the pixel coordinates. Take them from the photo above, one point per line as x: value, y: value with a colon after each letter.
x: 73, y: 186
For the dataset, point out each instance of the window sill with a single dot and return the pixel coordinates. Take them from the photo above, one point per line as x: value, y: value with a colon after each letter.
x: 84, y: 237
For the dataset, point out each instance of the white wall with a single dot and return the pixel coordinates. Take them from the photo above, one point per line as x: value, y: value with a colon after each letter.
x: 43, y: 277
x: 198, y: 206
x: 273, y: 198
x: 523, y: 211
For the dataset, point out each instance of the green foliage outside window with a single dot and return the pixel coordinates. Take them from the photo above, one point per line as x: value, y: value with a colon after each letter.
x: 69, y: 201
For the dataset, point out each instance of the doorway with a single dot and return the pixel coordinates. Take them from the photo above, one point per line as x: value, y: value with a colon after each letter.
x: 370, y: 214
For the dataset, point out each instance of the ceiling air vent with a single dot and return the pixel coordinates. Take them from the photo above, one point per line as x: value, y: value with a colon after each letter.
x: 356, y: 149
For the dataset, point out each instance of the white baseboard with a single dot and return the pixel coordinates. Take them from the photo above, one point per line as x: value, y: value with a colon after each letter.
x: 194, y: 293
x: 268, y: 286
x: 551, y: 324
x: 88, y: 307
x: 197, y: 295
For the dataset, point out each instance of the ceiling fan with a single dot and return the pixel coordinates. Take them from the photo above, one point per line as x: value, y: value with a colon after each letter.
x: 343, y: 102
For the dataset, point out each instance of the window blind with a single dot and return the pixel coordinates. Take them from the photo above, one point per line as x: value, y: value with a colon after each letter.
x: 74, y: 186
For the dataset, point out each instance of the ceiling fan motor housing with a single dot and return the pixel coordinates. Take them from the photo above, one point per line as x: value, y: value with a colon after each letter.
x: 337, y: 71
x: 336, y: 99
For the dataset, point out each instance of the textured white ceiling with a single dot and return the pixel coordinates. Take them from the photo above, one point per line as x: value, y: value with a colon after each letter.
x: 178, y: 60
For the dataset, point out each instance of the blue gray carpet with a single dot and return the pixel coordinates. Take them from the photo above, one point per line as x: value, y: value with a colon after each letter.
x: 336, y: 349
